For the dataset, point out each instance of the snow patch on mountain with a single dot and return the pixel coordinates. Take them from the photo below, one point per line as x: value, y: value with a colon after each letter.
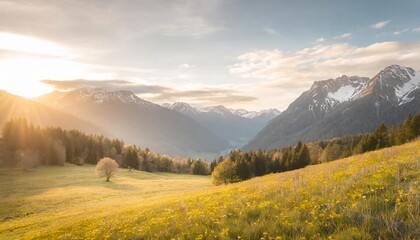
x: 347, y: 92
x: 343, y: 94
x: 326, y: 94
x: 404, y: 91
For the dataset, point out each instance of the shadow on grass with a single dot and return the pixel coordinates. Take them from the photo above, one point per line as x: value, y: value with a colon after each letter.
x: 117, y: 186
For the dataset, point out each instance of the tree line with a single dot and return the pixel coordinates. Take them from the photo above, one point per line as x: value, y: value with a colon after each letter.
x: 238, y: 166
x: 382, y: 137
x: 34, y: 146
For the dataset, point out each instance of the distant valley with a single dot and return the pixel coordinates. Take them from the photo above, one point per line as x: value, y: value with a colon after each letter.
x: 237, y: 126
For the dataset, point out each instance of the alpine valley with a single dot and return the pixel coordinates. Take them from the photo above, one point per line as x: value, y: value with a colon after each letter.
x: 176, y: 129
x: 237, y: 126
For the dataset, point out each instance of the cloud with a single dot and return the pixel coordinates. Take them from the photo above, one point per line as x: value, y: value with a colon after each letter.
x: 128, y: 19
x: 156, y: 93
x: 105, y: 84
x: 185, y: 65
x: 320, y: 40
x: 291, y: 70
x: 271, y: 31
x: 381, y: 24
x: 205, y: 96
x: 416, y: 29
x: 343, y: 36
x: 400, y: 31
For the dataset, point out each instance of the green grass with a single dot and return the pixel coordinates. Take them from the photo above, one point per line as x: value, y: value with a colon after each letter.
x: 55, y: 196
x: 370, y: 196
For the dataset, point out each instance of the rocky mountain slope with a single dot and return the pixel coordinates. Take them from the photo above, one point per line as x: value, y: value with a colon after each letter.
x: 342, y: 106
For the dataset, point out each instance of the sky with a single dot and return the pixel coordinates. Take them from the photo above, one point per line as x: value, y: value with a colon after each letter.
x: 238, y: 53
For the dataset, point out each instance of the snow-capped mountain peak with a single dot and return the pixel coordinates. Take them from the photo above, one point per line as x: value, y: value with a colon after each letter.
x: 97, y: 96
x: 325, y: 95
x: 344, y: 106
x: 395, y: 84
x: 181, y: 107
x: 403, y: 92
x: 220, y: 110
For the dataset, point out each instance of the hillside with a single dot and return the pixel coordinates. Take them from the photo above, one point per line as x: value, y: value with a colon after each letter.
x: 344, y: 106
x: 12, y: 106
x: 374, y: 195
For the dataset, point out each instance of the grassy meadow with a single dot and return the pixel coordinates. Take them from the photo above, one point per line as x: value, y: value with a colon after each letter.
x: 371, y: 196
x: 50, y: 197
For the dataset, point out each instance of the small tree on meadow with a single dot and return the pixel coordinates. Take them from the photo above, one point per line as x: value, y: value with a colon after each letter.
x: 224, y: 173
x: 107, y: 168
x: 200, y: 167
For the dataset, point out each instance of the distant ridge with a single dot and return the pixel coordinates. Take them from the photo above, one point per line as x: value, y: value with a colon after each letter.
x: 12, y: 106
x: 237, y: 126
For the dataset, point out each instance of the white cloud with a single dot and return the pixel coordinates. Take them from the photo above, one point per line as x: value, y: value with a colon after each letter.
x: 400, y: 31
x: 271, y: 31
x: 320, y: 40
x: 185, y: 65
x: 416, y: 29
x: 300, y: 68
x: 343, y: 36
x: 128, y: 19
x: 381, y: 24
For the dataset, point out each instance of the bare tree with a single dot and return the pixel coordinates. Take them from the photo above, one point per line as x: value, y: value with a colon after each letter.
x: 107, y: 168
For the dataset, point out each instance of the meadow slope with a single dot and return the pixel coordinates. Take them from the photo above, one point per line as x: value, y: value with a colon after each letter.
x: 369, y: 196
x: 51, y: 197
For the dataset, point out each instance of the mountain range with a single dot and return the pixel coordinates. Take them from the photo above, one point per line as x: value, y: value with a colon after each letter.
x: 343, y: 106
x: 237, y: 126
x: 330, y: 108
x: 138, y: 121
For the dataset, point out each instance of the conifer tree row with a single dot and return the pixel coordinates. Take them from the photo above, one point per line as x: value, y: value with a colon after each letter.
x: 238, y: 166
x: 35, y: 146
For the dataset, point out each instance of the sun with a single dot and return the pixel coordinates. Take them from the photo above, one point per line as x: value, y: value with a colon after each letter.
x: 26, y: 61
x: 29, y: 60
x: 21, y: 75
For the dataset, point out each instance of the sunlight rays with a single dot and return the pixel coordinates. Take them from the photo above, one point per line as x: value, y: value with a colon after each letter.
x: 31, y: 45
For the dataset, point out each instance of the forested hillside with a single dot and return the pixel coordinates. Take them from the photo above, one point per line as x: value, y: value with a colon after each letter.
x: 238, y: 165
x: 32, y: 146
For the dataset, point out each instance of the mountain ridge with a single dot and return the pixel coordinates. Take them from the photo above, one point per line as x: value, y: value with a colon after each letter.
x: 361, y: 105
x: 12, y: 106
x: 186, y: 107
